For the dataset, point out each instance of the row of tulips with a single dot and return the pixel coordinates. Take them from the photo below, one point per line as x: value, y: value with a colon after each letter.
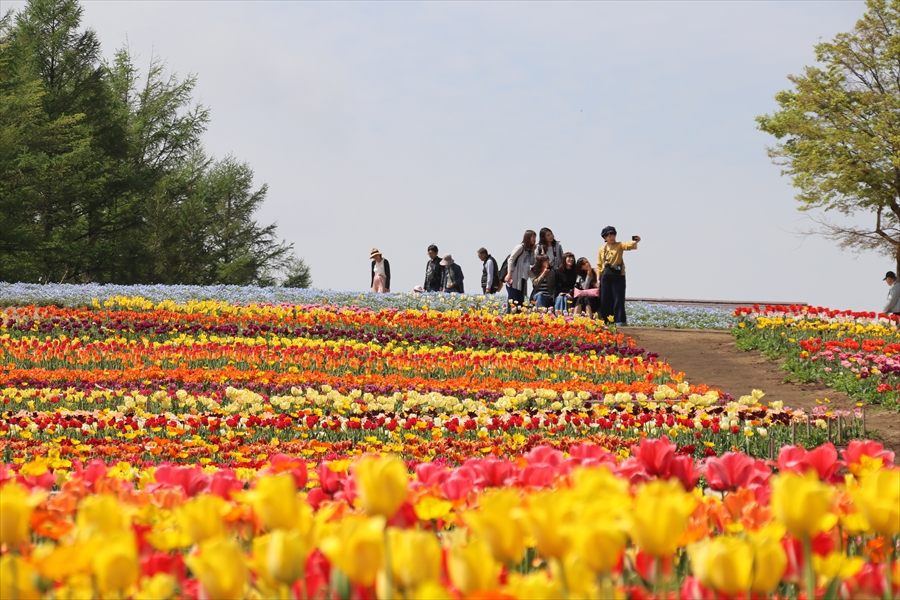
x: 856, y: 353
x: 490, y: 528
x: 242, y: 427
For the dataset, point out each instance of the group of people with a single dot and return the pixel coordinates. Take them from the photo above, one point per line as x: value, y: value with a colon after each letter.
x: 559, y: 281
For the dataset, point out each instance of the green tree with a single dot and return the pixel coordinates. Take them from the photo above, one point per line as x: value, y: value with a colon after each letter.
x: 76, y: 206
x: 297, y: 274
x: 839, y: 132
x: 34, y: 149
x: 241, y: 250
x: 103, y: 176
x: 163, y: 163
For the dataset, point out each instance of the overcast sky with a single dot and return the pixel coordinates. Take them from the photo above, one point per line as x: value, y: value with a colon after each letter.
x: 462, y: 124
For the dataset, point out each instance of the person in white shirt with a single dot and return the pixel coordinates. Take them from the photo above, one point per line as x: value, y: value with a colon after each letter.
x: 380, y: 274
x: 892, y: 306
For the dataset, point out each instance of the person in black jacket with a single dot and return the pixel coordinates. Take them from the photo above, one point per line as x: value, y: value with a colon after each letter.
x: 380, y: 275
x: 566, y: 276
x: 453, y: 276
x: 490, y: 275
x: 434, y: 272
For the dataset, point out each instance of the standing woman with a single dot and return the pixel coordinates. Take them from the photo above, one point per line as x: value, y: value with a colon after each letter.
x: 381, y: 273
x: 518, y: 267
x: 612, y: 279
x: 548, y: 245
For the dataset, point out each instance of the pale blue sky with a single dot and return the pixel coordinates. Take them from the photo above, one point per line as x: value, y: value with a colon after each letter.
x: 402, y: 124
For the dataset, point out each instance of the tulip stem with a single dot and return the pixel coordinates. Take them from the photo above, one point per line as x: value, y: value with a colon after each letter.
x: 888, y: 574
x: 808, y: 568
x: 388, y: 570
x: 15, y: 577
x: 562, y: 578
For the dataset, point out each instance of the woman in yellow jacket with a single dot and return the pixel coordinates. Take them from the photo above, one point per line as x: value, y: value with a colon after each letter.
x: 611, y: 269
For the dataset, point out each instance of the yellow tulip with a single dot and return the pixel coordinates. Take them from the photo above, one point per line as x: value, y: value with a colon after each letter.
x: 837, y: 565
x: 723, y: 563
x: 159, y: 587
x: 580, y: 579
x: 660, y: 516
x: 16, y: 505
x: 552, y: 516
x: 100, y: 515
x: 381, y: 482
x: 770, y: 560
x: 802, y: 504
x: 598, y: 482
x: 431, y: 590
x: 878, y: 499
x: 168, y: 539
x: 284, y: 553
x: 60, y: 562
x: 356, y: 547
x: 200, y: 518
x: 276, y: 502
x: 17, y: 577
x: 599, y: 543
x: 534, y: 586
x: 415, y: 557
x: 472, y: 567
x: 500, y: 523
x: 115, y: 563
x: 220, y: 569
x: 430, y: 508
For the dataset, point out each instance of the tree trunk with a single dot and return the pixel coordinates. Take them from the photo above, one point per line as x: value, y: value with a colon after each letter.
x: 897, y: 256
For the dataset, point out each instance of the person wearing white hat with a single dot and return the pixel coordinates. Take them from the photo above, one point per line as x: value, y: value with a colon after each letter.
x: 452, y: 280
x: 381, y: 273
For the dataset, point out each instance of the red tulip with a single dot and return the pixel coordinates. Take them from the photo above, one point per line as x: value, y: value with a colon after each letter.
x: 296, y: 466
x: 682, y: 469
x: 857, y: 449
x: 192, y: 480
x: 734, y: 470
x: 824, y: 460
x: 458, y: 485
x: 430, y: 474
x: 495, y: 472
x: 544, y: 455
x: 591, y: 455
x: 537, y: 476
x: 692, y: 588
x: 632, y: 469
x: 656, y: 455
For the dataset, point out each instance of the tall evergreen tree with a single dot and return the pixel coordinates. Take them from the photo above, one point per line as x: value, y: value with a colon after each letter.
x: 103, y: 176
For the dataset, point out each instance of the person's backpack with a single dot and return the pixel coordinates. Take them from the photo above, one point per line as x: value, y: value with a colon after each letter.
x: 497, y: 283
x: 502, y: 273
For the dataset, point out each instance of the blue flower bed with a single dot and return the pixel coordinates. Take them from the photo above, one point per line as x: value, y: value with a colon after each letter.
x: 72, y: 295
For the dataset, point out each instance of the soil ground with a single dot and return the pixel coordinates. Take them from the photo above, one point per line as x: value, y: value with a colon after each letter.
x: 712, y: 358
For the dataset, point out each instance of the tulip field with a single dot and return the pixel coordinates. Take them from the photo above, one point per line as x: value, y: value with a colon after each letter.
x: 199, y: 448
x: 857, y: 353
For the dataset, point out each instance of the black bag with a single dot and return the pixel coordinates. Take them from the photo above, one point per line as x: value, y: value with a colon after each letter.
x: 502, y: 273
x: 612, y: 271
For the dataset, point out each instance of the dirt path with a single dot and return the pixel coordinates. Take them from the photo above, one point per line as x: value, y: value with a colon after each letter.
x: 711, y: 357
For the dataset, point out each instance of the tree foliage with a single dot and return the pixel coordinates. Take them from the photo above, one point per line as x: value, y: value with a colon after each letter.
x: 103, y: 175
x: 839, y: 131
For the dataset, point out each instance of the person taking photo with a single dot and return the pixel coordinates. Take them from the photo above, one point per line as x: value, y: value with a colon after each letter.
x: 611, y: 267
